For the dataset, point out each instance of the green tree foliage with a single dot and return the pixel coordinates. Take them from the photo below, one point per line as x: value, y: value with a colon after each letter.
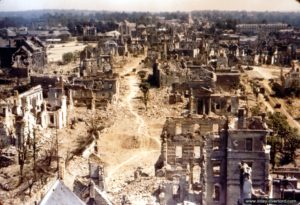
x: 68, y: 57
x: 277, y: 88
x: 142, y: 74
x: 284, y: 141
x: 291, y: 144
x: 278, y: 123
x: 255, y: 110
x: 274, y: 141
x: 226, y: 24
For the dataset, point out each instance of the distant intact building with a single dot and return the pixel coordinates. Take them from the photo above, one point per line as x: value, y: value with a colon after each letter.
x: 257, y: 28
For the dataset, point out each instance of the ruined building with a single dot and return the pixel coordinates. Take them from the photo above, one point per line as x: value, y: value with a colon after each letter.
x: 6, y: 123
x: 24, y: 112
x: 94, y: 63
x: 183, y: 161
x: 24, y: 56
x: 213, y: 160
x: 94, y: 92
x: 291, y: 80
x: 91, y: 189
x: 127, y: 28
x: 203, y: 90
x: 97, y: 85
x: 285, y: 185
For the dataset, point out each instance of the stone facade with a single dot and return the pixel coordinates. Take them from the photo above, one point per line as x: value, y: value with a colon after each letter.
x: 292, y: 79
x: 202, y: 157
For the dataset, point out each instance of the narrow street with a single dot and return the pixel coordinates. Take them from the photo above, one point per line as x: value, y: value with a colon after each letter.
x: 273, y: 101
x: 127, y: 144
x: 266, y: 74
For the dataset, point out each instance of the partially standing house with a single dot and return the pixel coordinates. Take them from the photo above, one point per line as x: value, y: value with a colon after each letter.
x: 31, y: 55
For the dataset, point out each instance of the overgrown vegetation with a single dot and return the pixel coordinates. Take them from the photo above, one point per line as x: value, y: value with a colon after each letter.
x: 294, y: 91
x: 255, y: 111
x: 144, y: 86
x: 284, y: 140
x: 34, y: 168
x: 68, y: 57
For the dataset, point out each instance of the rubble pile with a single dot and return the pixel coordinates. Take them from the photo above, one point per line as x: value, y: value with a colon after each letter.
x: 136, y: 189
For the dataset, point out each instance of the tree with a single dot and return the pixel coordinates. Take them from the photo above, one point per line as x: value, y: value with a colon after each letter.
x: 34, y: 153
x: 275, y: 143
x: 278, y: 123
x: 145, y: 86
x: 22, y: 155
x: 67, y: 57
x: 284, y: 141
x: 291, y: 144
x: 142, y: 74
x: 255, y: 110
x: 95, y: 127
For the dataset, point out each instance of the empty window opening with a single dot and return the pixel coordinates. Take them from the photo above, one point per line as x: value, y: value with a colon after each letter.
x: 216, y: 168
x: 249, y: 144
x: 216, y: 192
x: 196, y: 174
x: 178, y: 153
x: 197, y: 152
x: 52, y: 119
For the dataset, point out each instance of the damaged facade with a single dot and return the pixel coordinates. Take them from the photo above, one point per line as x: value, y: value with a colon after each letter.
x: 97, y: 85
x: 202, y: 160
x: 23, y: 56
x: 291, y: 80
x: 212, y: 152
x: 26, y: 111
x: 92, y: 188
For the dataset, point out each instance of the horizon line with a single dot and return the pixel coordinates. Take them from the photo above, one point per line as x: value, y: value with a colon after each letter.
x: 157, y: 11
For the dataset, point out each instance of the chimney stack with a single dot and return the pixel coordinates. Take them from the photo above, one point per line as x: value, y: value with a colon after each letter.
x: 92, y: 190
x: 191, y: 102
x: 241, y: 118
x: 61, y: 84
x: 61, y: 168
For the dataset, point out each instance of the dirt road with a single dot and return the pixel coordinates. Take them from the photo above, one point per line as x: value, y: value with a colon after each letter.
x: 268, y: 73
x: 127, y: 144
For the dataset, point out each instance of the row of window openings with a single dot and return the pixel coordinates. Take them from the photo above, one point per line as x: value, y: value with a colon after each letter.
x: 178, y: 152
x: 38, y: 97
x: 217, y: 189
x: 217, y: 167
x: 248, y: 144
x: 216, y: 146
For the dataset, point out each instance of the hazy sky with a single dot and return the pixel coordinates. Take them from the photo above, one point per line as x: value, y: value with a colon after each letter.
x: 152, y: 5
